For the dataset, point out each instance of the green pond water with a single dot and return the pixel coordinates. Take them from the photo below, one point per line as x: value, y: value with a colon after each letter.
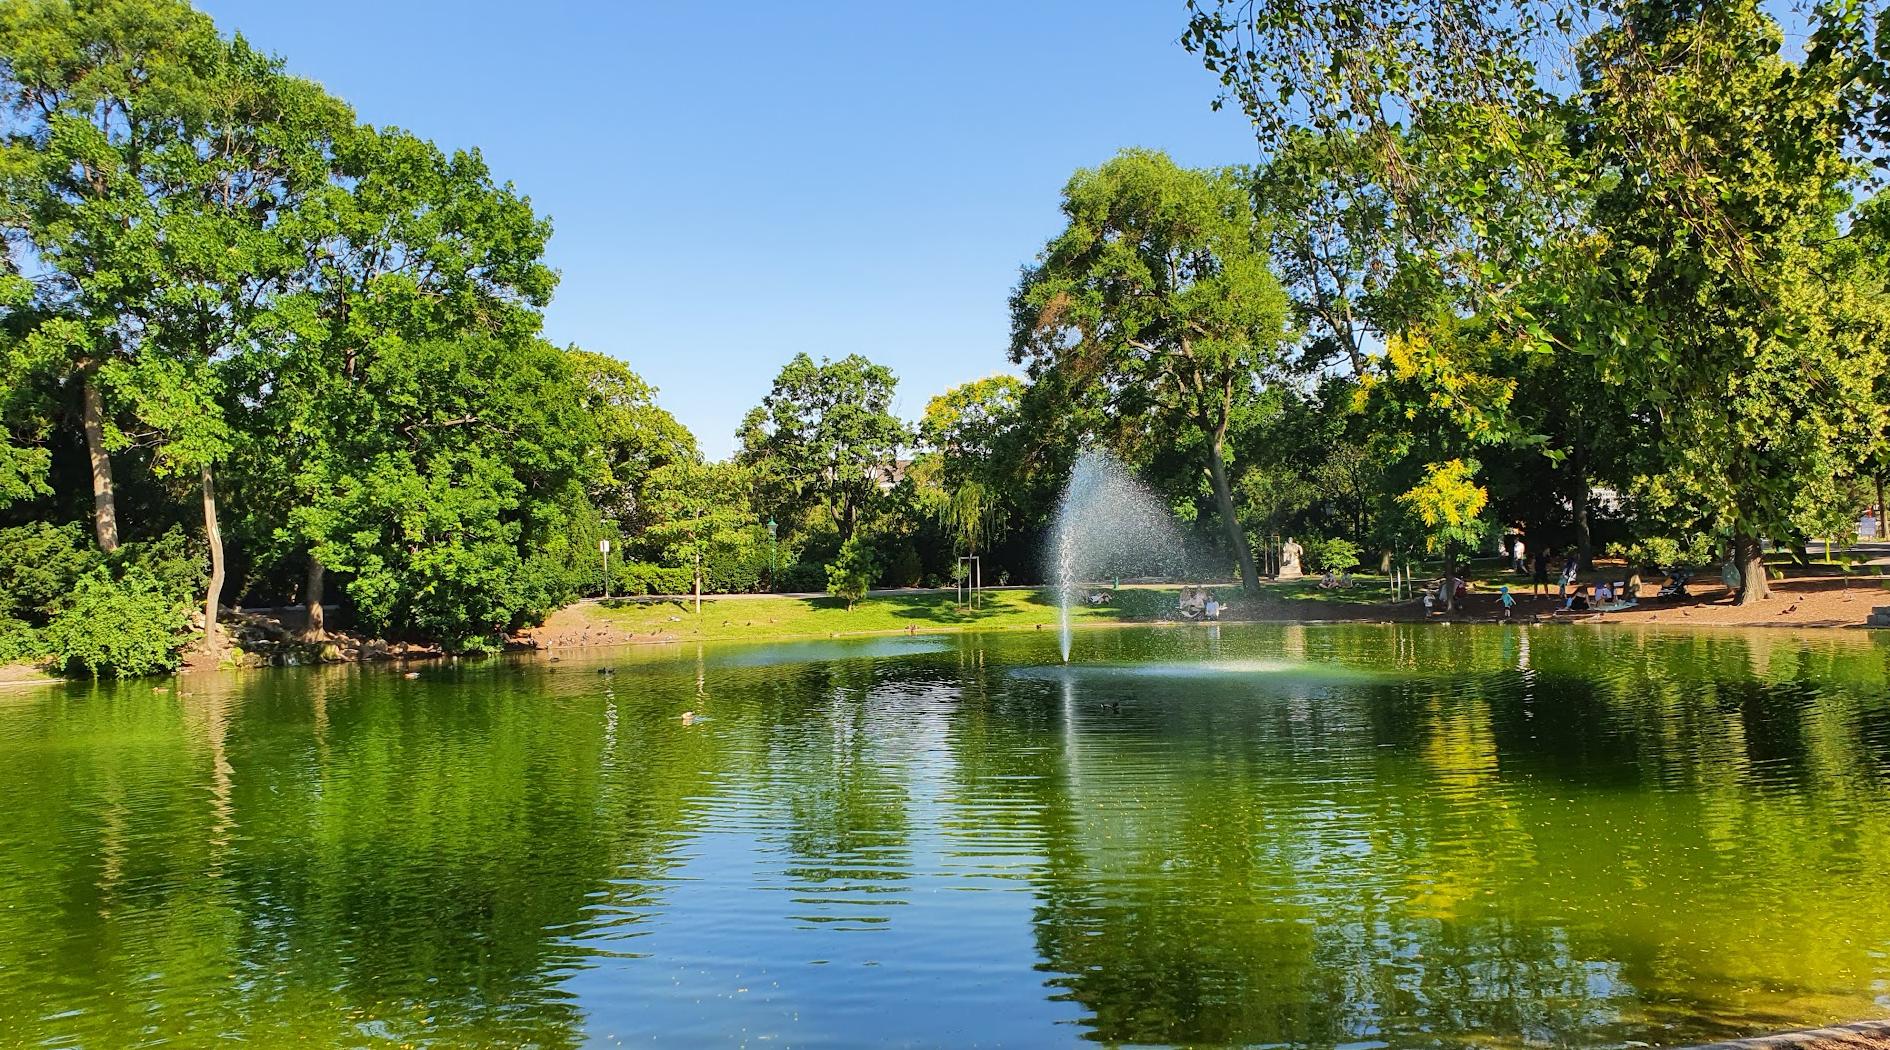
x: 1318, y: 836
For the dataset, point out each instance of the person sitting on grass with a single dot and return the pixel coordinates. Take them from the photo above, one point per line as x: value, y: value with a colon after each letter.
x: 1328, y: 581
x: 1631, y: 590
x: 1346, y: 580
x: 1211, y: 610
x: 1604, y: 592
x: 1577, y: 601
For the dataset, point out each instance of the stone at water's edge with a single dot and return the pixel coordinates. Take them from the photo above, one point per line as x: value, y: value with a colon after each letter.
x: 1879, y: 617
x: 1864, y: 1035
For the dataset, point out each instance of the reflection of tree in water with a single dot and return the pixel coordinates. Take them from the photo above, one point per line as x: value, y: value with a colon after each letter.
x: 1534, y: 857
x: 834, y: 760
x: 390, y: 861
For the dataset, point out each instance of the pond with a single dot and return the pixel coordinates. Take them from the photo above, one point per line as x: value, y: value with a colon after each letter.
x: 1317, y: 836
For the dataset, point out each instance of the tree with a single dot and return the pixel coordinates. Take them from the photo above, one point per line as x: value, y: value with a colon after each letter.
x: 635, y: 434
x: 1713, y: 295
x: 160, y: 172
x: 969, y: 426
x: 851, y: 573
x: 1449, y: 503
x: 698, y: 511
x: 1157, y: 302
x: 824, y: 437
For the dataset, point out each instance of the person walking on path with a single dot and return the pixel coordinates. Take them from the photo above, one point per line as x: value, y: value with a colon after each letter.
x: 1518, y: 559
x: 1541, y: 581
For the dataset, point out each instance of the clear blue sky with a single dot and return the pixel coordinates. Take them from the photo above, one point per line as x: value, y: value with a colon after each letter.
x: 732, y: 184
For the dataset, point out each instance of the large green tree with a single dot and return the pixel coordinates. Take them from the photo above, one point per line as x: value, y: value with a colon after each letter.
x: 1157, y: 302
x: 1714, y: 297
x: 160, y: 173
x: 824, y: 439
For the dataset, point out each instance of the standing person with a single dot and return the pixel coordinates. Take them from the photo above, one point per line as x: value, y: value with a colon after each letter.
x: 1730, y: 576
x: 1508, y: 600
x: 1522, y: 565
x: 1572, y: 565
x: 1541, y: 581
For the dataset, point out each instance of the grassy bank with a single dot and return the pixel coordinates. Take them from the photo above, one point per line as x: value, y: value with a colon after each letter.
x: 763, y: 616
x: 780, y: 616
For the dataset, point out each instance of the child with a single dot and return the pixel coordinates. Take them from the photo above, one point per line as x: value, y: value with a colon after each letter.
x: 1508, y: 600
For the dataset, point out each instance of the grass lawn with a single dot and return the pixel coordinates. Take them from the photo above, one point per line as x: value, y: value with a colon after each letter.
x: 757, y: 616
x: 751, y: 616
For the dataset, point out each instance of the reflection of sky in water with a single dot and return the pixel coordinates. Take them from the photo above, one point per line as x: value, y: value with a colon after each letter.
x: 1489, y: 837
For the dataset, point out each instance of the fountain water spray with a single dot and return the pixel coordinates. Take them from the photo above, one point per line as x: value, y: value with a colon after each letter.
x: 1108, y: 525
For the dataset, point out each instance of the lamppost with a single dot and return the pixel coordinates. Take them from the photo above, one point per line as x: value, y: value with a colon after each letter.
x: 603, y: 548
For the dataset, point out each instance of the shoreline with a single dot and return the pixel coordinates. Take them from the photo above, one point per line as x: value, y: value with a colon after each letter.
x: 1817, y: 604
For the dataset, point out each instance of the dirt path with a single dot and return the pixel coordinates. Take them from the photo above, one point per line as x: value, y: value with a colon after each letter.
x: 1794, y: 603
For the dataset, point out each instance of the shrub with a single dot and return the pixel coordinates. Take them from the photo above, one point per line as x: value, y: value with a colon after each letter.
x: 39, y: 564
x: 802, y: 576
x: 19, y: 642
x: 121, y: 626
x: 902, y: 567
x: 639, y: 578
x: 852, y: 571
x: 1338, y: 555
x: 1664, y: 551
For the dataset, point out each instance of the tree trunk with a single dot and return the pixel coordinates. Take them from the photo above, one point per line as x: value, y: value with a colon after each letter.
x: 213, y: 595
x: 1883, y: 531
x: 316, y: 627
x: 1578, y: 495
x: 1450, y: 577
x: 104, y: 502
x: 698, y: 585
x: 1749, y: 554
x: 1224, y: 499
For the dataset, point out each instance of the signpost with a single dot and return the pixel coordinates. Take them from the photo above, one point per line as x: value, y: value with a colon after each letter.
x: 603, y: 548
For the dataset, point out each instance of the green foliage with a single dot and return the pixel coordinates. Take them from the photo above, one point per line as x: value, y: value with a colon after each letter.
x: 802, y: 578
x: 1156, y: 304
x: 123, y: 626
x: 851, y: 573
x: 39, y: 565
x: 20, y: 642
x: 699, y: 513
x: 1336, y: 554
x: 822, y: 441
x: 640, y: 578
x: 1449, y: 503
x: 901, y: 567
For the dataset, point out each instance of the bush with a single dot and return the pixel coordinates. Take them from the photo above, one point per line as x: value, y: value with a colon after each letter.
x: 802, y: 576
x: 39, y: 565
x: 1335, y: 554
x: 121, y: 626
x: 902, y: 567
x: 1664, y: 552
x: 640, y: 578
x: 19, y: 642
x: 852, y: 571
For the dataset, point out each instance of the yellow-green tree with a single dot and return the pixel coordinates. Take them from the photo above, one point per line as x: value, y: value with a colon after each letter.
x: 1449, y: 503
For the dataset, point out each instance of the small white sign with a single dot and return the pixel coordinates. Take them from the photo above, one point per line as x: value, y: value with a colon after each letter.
x: 603, y: 546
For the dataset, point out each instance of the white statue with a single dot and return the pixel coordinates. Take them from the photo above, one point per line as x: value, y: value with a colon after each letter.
x: 1289, y: 560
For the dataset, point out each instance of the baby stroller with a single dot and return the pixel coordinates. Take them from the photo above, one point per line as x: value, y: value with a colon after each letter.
x: 1676, y: 586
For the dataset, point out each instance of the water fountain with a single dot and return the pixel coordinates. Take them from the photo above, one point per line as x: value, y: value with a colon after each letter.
x: 1108, y: 525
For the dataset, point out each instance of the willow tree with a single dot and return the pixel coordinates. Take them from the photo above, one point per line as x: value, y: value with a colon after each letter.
x: 967, y: 427
x: 1157, y: 302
